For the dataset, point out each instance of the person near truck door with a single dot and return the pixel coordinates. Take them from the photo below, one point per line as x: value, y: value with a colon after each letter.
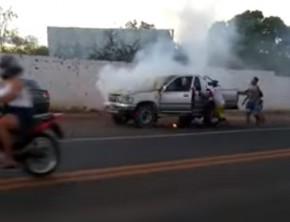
x: 209, y: 106
x: 254, y: 101
x: 218, y: 100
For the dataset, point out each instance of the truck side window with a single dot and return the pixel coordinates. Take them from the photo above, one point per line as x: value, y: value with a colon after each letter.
x: 197, y: 84
x: 181, y: 84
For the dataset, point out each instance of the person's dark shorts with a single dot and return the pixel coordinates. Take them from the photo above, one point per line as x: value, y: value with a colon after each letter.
x: 23, y: 115
x: 253, y: 107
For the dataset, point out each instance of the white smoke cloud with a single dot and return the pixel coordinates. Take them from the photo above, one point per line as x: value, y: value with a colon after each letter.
x: 157, y: 60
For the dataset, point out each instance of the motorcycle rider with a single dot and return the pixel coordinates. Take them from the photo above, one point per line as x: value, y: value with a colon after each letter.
x: 17, y: 101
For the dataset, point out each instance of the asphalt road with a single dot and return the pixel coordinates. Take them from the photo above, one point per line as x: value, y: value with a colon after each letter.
x: 229, y: 174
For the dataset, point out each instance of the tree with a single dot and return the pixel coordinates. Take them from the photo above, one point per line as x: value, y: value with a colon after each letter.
x: 143, y: 25
x: 39, y: 50
x: 27, y: 45
x: 132, y: 24
x: 6, y: 16
x: 221, y: 42
x: 12, y: 42
x: 261, y: 43
x: 115, y: 49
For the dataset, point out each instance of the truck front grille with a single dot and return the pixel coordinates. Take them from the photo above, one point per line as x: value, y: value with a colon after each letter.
x: 113, y: 98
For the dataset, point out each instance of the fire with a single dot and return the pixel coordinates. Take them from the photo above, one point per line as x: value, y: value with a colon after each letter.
x: 174, y: 125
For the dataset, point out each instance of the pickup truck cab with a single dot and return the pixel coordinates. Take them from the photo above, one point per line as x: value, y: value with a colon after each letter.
x: 178, y: 95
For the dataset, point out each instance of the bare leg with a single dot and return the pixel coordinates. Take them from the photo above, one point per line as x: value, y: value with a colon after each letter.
x: 6, y: 144
x: 7, y: 123
x: 258, y: 119
x: 262, y: 118
x: 259, y: 116
x: 248, y: 117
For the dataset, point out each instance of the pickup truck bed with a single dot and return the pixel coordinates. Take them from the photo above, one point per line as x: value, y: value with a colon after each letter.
x: 231, y: 98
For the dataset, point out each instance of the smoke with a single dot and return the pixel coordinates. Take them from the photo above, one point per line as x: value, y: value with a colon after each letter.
x: 192, y: 32
x: 159, y: 59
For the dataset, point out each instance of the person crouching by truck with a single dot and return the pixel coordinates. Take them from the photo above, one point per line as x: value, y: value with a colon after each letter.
x: 218, y: 100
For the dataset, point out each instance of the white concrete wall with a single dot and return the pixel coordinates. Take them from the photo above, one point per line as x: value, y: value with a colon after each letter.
x: 71, y: 83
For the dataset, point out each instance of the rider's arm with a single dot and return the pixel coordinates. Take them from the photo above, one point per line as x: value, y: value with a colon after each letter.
x: 8, y: 93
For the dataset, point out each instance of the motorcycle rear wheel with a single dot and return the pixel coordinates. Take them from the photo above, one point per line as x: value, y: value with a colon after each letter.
x: 48, y: 154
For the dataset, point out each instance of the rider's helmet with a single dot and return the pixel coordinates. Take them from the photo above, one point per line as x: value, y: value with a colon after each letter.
x: 9, y: 67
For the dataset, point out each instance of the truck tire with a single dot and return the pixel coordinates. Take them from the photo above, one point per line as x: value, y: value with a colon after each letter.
x: 120, y: 119
x: 145, y: 116
x: 185, y: 121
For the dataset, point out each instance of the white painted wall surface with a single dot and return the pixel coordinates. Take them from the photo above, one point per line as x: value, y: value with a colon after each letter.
x: 71, y: 83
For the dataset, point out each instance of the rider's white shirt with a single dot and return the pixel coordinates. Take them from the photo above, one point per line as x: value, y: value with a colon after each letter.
x: 23, y: 99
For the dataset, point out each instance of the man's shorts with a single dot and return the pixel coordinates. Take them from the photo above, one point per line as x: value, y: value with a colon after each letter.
x: 253, y: 107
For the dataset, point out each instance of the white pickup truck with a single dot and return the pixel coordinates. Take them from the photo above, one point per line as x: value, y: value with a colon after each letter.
x: 178, y: 95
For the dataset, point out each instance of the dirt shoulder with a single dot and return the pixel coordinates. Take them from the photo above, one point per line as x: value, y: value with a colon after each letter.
x: 78, y: 125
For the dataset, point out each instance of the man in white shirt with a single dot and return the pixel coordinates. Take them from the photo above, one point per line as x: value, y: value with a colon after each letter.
x: 218, y: 100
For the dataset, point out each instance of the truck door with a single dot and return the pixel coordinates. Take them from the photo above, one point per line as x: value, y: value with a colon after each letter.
x: 176, y: 96
x: 199, y: 91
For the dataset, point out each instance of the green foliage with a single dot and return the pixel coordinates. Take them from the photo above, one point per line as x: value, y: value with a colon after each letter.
x: 12, y: 42
x: 116, y: 50
x: 261, y: 42
x: 6, y: 16
x: 143, y: 25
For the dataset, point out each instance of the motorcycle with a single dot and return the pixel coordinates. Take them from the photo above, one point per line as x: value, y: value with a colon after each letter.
x: 37, y: 150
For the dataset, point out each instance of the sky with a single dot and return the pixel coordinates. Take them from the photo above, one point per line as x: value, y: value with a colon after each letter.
x: 36, y: 15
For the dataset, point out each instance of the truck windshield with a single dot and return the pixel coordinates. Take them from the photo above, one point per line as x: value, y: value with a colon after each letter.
x: 161, y: 81
x: 208, y: 79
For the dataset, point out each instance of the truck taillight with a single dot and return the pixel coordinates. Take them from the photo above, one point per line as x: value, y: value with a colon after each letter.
x: 45, y: 94
x: 209, y: 93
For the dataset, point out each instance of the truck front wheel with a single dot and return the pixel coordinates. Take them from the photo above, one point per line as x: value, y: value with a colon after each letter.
x: 145, y: 116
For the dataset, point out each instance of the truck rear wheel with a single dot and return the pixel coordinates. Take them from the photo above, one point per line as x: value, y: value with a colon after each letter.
x: 145, y: 116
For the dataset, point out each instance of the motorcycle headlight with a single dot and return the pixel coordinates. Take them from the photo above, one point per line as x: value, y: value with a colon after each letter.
x: 125, y: 99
